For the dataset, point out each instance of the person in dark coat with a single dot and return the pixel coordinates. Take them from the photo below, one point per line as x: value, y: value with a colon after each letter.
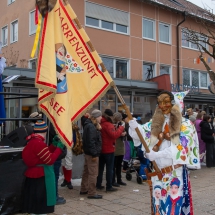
x: 92, y: 145
x: 207, y: 135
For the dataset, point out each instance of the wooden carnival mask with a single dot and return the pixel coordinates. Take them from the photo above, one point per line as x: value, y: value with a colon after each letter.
x: 165, y: 103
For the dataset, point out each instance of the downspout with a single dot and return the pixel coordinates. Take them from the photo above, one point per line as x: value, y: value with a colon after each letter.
x: 178, y: 48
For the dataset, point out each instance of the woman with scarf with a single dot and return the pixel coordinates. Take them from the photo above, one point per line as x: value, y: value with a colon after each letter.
x: 39, y: 187
x: 207, y: 135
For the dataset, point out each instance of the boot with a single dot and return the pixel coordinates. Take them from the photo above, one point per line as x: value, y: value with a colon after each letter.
x: 64, y: 183
x: 69, y: 185
x: 67, y: 177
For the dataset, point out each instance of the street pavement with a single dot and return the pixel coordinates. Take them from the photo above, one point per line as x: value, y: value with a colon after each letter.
x: 134, y: 199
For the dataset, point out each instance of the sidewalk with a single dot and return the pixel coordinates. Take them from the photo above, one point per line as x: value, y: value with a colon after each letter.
x: 134, y: 199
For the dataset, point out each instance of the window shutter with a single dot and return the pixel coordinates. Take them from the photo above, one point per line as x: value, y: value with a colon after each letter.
x: 107, y: 14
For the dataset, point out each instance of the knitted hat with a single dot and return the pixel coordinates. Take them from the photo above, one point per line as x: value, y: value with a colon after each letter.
x: 175, y: 181
x: 96, y: 113
x: 40, y: 127
x: 109, y: 112
x: 117, y: 116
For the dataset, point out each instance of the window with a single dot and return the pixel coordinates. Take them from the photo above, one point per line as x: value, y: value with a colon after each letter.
x: 14, y: 32
x: 148, y: 29
x: 121, y: 69
x: 148, y: 71
x: 164, y: 70
x: 195, y: 36
x: 108, y: 62
x: 32, y: 26
x: 10, y: 1
x: 4, y: 35
x: 164, y: 33
x: 107, y: 25
x: 195, y: 78
x: 117, y: 68
x: 32, y: 63
x: 92, y: 21
x: 106, y: 18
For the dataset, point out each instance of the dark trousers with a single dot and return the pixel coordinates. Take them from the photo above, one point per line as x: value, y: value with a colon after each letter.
x: 117, y: 168
x: 57, y: 166
x: 108, y: 160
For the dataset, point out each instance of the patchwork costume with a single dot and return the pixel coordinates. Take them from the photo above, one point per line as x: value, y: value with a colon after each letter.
x: 175, y: 152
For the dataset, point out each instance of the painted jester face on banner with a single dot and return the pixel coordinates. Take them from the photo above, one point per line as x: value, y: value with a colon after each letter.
x: 164, y: 103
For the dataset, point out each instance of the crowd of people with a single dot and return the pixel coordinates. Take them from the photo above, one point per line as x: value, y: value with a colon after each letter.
x: 205, y: 127
x: 105, y: 138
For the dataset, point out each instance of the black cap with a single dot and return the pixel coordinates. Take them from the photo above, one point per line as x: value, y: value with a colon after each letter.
x: 109, y: 112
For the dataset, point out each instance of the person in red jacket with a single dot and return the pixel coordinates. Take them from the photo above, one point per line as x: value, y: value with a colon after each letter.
x: 109, y: 135
x: 39, y: 187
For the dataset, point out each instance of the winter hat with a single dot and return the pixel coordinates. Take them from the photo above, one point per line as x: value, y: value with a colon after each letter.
x: 117, y: 116
x: 96, y: 113
x: 109, y: 112
x: 192, y: 118
x: 175, y: 181
x: 157, y: 187
x: 40, y: 127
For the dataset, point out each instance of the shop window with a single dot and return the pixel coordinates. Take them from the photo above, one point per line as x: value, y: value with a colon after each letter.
x: 108, y: 102
x: 4, y: 36
x: 164, y: 33
x: 149, y: 29
x: 148, y: 71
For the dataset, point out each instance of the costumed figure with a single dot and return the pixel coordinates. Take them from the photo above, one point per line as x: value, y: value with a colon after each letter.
x: 61, y: 68
x: 158, y: 204
x: 173, y: 145
x: 174, y: 200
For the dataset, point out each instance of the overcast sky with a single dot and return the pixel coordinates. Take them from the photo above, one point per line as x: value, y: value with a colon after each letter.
x: 205, y: 3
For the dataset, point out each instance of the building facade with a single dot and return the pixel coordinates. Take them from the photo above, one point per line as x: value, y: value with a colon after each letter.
x: 137, y: 40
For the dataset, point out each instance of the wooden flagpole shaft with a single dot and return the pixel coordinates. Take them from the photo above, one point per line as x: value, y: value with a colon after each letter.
x: 159, y: 174
x: 90, y: 45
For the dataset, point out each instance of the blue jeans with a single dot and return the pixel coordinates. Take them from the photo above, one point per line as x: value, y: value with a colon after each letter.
x: 108, y: 160
x: 57, y: 166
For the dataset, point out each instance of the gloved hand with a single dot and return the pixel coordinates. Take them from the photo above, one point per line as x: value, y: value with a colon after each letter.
x: 55, y: 140
x: 152, y: 155
x: 60, y: 145
x: 133, y: 124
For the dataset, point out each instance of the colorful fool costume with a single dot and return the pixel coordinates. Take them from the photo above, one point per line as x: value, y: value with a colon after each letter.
x: 173, y: 144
